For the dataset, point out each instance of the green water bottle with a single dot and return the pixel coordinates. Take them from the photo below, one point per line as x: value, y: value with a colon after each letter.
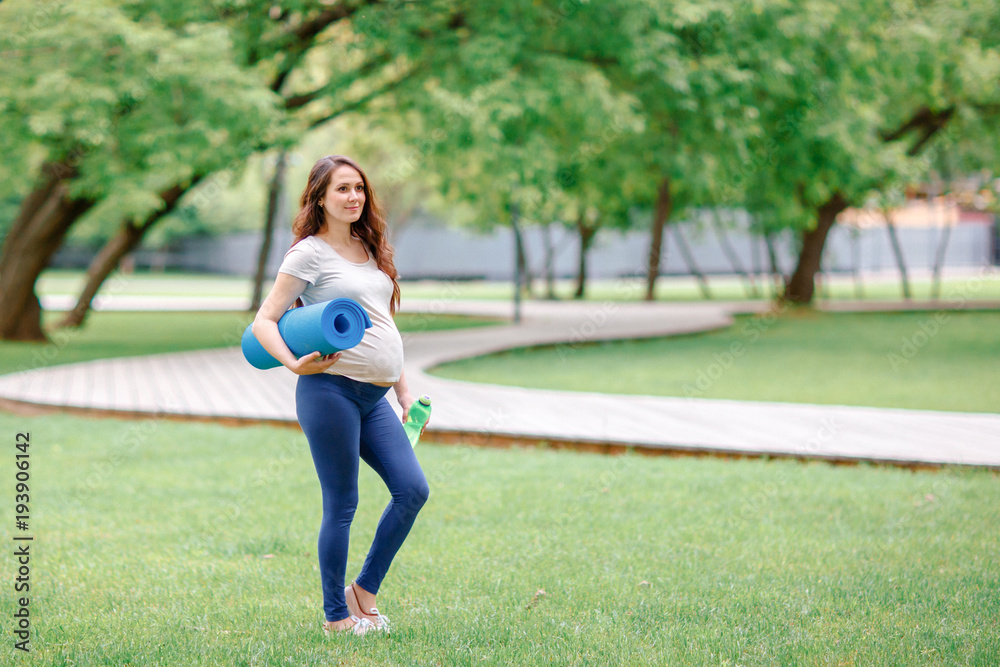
x: 420, y: 412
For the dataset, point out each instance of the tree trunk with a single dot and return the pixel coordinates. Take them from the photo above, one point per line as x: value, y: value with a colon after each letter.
x: 664, y: 205
x: 688, y: 257
x: 550, y: 262
x: 518, y: 260
x: 523, y: 266
x: 801, y: 286
x: 127, y: 239
x: 756, y: 263
x: 45, y: 217
x: 275, y: 199
x: 777, y: 276
x: 859, y: 290
x: 587, y: 234
x: 730, y: 253
x: 100, y: 268
x: 939, y: 260
x: 30, y: 206
x: 897, y: 250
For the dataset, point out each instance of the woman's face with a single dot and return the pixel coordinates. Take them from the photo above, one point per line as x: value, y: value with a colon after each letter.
x: 345, y: 196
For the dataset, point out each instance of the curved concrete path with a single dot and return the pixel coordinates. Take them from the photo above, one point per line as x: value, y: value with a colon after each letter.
x: 220, y: 384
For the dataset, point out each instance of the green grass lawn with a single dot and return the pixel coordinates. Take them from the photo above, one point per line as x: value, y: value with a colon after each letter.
x: 669, y: 288
x: 147, y: 283
x: 111, y: 333
x: 179, y: 543
x: 903, y: 360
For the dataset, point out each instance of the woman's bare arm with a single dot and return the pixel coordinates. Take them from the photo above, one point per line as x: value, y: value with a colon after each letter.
x: 284, y: 292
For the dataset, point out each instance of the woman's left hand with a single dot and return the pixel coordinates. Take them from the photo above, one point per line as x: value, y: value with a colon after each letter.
x: 405, y: 398
x: 405, y: 401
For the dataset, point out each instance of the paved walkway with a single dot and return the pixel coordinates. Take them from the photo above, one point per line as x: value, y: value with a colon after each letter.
x: 220, y: 384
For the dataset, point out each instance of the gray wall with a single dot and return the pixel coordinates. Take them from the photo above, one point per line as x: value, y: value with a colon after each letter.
x: 428, y: 250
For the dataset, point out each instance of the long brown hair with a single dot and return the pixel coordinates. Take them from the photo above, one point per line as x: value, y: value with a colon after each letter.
x: 370, y: 227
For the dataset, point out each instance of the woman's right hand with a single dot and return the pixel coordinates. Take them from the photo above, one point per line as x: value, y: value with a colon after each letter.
x: 313, y: 363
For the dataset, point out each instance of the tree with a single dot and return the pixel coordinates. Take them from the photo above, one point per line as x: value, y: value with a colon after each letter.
x: 267, y: 48
x: 527, y: 128
x: 117, y: 113
x: 857, y: 107
x: 277, y: 44
x: 675, y: 60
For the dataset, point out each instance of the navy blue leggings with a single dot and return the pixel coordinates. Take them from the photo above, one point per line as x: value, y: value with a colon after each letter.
x: 344, y: 419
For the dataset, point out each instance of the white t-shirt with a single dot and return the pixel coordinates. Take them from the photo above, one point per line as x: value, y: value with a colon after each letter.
x: 379, y: 355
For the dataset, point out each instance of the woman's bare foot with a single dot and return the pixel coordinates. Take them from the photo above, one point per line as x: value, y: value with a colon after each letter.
x: 351, y: 625
x: 361, y: 603
x: 342, y: 624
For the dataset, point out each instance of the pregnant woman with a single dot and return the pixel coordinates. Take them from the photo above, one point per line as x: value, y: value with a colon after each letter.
x: 341, y: 250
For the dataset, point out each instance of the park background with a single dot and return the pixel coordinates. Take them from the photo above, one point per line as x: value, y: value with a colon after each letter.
x: 801, y: 157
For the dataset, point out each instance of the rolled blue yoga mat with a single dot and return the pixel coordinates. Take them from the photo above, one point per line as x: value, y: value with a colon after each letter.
x: 328, y: 327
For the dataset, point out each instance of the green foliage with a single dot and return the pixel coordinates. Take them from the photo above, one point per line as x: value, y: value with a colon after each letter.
x: 565, y: 108
x: 510, y: 121
x: 838, y: 82
x: 681, y: 63
x: 189, y: 89
x: 229, y: 202
x: 135, y: 105
x: 773, y: 106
